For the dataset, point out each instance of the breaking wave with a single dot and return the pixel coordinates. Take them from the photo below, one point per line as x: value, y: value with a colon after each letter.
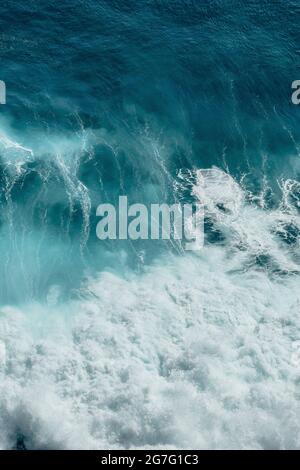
x: 196, y: 342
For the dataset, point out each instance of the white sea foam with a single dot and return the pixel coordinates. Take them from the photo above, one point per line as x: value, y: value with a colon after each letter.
x: 197, y: 352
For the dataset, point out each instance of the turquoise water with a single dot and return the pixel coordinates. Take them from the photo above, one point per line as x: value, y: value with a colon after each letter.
x: 139, y: 343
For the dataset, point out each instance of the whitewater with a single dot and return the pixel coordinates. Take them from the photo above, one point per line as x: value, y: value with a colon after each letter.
x: 198, y: 350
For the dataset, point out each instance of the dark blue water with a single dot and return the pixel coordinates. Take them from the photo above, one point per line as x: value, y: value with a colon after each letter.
x: 127, y: 93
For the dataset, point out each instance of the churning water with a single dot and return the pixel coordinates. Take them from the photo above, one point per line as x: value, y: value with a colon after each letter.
x: 141, y: 344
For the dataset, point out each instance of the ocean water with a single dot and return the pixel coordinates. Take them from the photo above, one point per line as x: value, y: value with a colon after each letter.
x: 140, y: 344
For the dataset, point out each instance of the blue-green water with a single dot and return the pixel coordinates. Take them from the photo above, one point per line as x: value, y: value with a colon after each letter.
x: 139, y: 343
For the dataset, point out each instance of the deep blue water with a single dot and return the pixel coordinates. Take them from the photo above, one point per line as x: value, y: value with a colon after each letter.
x: 134, y: 91
x: 109, y: 98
